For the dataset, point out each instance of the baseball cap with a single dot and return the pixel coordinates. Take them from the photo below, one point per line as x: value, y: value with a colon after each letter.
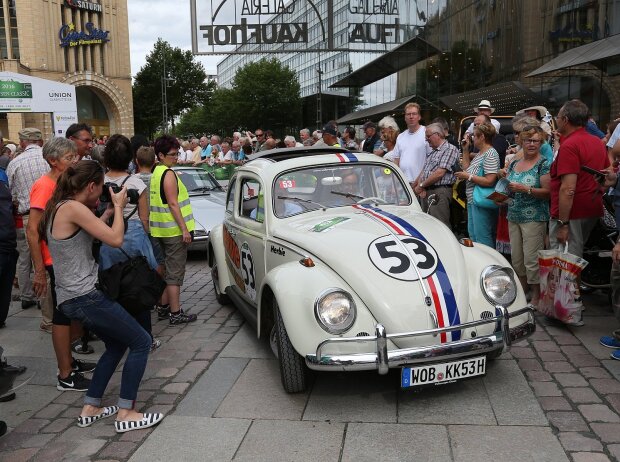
x: 369, y: 124
x: 30, y: 134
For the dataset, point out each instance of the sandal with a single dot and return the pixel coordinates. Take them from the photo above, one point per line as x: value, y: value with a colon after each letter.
x: 86, y: 421
x: 148, y: 420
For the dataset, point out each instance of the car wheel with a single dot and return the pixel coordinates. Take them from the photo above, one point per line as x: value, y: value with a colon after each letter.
x: 219, y: 296
x: 293, y: 369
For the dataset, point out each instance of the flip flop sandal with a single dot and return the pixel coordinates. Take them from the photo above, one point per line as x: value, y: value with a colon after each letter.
x: 147, y: 421
x: 89, y: 420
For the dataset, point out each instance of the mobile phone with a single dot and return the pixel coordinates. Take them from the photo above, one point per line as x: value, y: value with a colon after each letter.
x: 593, y: 171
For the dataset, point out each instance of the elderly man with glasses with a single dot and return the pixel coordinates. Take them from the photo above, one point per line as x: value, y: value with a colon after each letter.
x: 82, y: 136
x: 437, y: 176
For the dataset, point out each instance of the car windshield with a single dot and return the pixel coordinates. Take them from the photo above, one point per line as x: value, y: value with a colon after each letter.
x: 317, y: 187
x: 198, y: 181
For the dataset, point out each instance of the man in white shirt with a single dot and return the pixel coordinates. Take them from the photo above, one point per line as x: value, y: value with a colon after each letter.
x: 410, y: 149
x: 484, y: 108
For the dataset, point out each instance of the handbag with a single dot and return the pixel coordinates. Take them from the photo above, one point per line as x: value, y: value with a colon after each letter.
x: 132, y: 283
x: 481, y: 193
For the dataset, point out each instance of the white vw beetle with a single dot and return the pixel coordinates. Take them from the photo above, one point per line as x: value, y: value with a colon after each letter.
x: 329, y: 254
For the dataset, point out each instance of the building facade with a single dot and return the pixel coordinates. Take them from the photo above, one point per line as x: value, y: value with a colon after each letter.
x: 81, y: 43
x: 475, y: 44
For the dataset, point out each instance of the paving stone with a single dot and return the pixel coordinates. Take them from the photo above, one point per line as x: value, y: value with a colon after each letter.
x: 582, y: 395
x: 103, y: 430
x: 245, y: 345
x: 545, y: 389
x: 504, y: 443
x: 152, y: 384
x: 566, y: 339
x: 595, y: 373
x: 31, y: 426
x: 56, y: 450
x: 614, y: 450
x: 538, y: 376
x: 176, y: 387
x: 567, y: 421
x: 570, y: 380
x: 541, y: 345
x: 58, y: 425
x: 572, y: 350
x: 69, y: 398
x: 87, y: 448
x: 19, y: 455
x: 529, y: 365
x: 363, y: 443
x: 14, y: 441
x: 556, y: 328
x: 598, y: 413
x: 559, y: 366
x: 167, y: 398
x: 554, y: 403
x: 614, y: 401
x: 520, y: 352
x: 167, y: 372
x: 574, y: 441
x: 136, y: 435
x: 606, y: 386
x: 191, y: 371
x: 218, y: 441
x: 590, y: 457
x: 38, y: 441
x: 278, y: 440
x: 539, y: 335
x: 551, y: 356
x: 205, y: 355
x: 51, y: 410
x: 118, y: 449
x: 334, y: 398
x: 607, y: 432
x: 584, y: 361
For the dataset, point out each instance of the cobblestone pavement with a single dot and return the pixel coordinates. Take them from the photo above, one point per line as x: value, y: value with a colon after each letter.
x: 554, y: 397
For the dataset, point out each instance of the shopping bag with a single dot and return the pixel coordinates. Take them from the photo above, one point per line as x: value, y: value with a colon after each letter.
x: 559, y: 290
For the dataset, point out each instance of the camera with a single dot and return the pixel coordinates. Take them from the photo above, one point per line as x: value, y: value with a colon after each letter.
x: 132, y: 194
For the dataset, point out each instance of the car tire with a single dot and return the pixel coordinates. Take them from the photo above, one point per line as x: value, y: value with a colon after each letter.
x: 293, y: 369
x: 221, y: 298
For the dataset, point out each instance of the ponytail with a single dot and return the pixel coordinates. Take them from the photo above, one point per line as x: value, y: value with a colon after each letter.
x: 73, y: 180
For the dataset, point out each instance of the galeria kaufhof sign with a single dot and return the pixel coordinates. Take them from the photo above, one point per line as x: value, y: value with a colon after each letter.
x: 69, y: 37
x: 222, y: 26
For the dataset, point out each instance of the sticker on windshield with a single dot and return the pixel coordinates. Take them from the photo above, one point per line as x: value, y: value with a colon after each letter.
x: 247, y: 271
x: 387, y: 171
x: 285, y: 184
x: 391, y: 259
x: 328, y: 224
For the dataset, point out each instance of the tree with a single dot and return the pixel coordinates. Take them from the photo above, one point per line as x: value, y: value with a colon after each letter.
x: 186, y: 89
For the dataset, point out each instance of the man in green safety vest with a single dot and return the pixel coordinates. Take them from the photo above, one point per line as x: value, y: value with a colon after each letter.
x: 171, y: 222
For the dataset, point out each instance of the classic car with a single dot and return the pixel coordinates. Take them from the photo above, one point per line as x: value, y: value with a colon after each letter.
x: 328, y: 254
x: 207, y: 197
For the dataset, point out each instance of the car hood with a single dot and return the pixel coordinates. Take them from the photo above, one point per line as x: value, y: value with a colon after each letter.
x: 208, y: 209
x: 356, y: 242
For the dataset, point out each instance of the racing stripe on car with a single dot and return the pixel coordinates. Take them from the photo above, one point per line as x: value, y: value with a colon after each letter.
x: 440, y: 277
x: 347, y: 157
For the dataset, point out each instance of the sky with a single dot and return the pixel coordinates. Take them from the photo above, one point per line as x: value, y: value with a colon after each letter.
x: 170, y: 20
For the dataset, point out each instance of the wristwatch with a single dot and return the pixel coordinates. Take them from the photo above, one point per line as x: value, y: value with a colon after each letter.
x: 563, y: 223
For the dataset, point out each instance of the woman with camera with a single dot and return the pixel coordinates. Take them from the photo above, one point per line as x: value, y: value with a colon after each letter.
x: 481, y: 171
x: 70, y: 228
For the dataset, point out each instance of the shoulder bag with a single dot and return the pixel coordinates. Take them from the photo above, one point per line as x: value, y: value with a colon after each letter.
x: 481, y: 193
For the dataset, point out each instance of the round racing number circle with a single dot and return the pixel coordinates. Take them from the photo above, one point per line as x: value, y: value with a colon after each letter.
x: 390, y: 258
x: 247, y: 271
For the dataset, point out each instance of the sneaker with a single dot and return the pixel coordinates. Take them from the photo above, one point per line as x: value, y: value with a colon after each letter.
x: 83, y: 366
x: 163, y: 312
x: 75, y: 382
x: 615, y: 355
x: 78, y: 347
x: 610, y: 342
x: 181, y: 318
x: 155, y: 345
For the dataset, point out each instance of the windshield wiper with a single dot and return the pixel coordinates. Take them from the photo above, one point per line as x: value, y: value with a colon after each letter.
x: 348, y: 195
x: 302, y: 201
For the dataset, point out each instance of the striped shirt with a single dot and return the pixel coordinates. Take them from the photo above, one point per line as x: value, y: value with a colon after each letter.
x: 491, y: 165
x: 23, y: 171
x: 445, y: 156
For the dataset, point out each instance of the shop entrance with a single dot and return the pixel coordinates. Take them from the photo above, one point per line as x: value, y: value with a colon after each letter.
x: 92, y: 111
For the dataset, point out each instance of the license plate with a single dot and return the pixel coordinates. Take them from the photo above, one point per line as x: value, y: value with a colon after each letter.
x: 443, y: 372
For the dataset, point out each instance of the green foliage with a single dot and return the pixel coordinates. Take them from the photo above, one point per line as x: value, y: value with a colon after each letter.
x: 187, y: 89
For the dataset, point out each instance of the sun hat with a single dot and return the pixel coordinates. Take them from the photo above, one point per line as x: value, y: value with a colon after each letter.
x: 484, y: 104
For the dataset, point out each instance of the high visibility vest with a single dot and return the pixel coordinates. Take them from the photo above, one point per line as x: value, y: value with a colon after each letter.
x: 161, y: 221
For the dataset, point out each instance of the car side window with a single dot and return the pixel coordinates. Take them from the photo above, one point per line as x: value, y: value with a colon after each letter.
x: 252, y: 200
x: 230, y: 199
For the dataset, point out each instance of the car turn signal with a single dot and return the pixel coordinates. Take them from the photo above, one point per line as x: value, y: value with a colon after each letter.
x: 466, y: 242
x: 307, y: 262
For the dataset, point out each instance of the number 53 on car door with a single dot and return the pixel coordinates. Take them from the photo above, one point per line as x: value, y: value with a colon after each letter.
x: 390, y: 258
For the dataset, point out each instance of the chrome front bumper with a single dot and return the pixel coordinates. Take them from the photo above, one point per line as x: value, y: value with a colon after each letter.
x: 382, y: 359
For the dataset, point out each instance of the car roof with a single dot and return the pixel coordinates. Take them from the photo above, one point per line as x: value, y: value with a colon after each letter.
x: 278, y: 155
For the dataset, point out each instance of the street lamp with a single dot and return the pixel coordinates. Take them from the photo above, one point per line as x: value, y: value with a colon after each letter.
x: 165, y: 83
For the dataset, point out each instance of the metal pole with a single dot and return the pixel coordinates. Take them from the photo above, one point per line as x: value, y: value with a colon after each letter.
x: 319, y: 108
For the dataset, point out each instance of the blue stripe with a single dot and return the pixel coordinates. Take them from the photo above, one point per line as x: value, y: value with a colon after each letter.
x: 442, y: 275
x: 351, y: 157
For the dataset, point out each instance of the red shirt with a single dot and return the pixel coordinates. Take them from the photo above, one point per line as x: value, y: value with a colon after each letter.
x: 577, y: 149
x: 40, y: 194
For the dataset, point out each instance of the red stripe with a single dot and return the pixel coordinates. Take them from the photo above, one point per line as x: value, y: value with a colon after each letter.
x: 433, y: 287
x: 341, y: 158
x: 382, y: 218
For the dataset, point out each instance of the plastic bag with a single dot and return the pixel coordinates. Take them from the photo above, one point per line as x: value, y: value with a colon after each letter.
x: 559, y: 291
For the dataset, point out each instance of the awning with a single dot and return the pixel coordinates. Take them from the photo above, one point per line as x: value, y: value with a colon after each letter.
x: 405, y: 55
x: 506, y: 97
x: 376, y: 112
x: 590, y: 53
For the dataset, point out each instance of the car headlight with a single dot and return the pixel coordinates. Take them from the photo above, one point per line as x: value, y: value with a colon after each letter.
x: 498, y: 285
x: 335, y: 311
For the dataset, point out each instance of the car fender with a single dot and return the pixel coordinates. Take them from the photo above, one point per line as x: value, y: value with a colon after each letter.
x: 216, y: 243
x: 296, y: 303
